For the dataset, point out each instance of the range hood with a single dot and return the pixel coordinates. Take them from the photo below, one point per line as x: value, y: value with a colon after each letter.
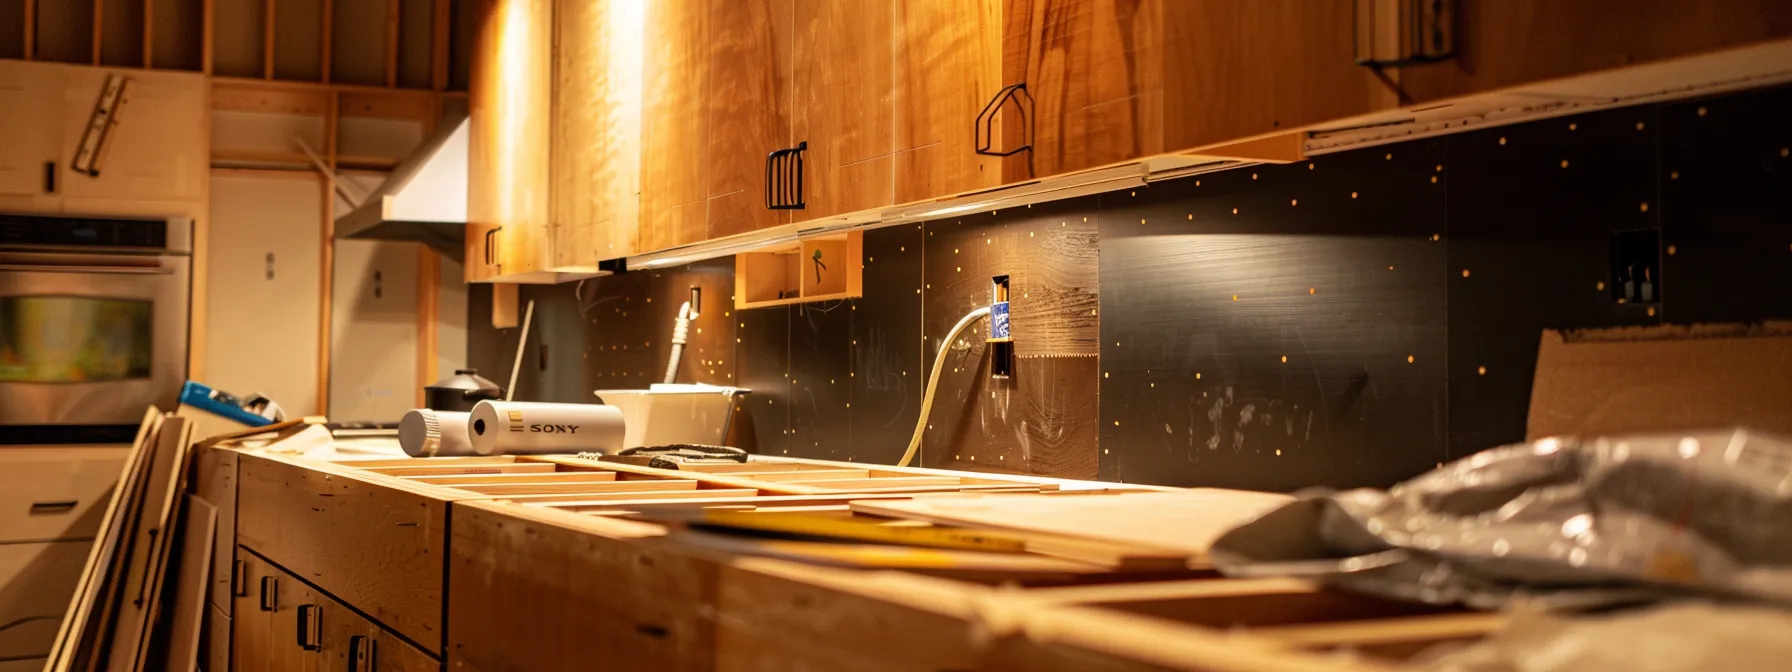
x: 425, y: 199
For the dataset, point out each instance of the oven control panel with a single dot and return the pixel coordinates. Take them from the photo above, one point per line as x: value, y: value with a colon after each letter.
x: 40, y: 230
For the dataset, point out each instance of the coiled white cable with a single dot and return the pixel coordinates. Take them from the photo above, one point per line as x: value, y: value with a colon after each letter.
x: 933, y: 381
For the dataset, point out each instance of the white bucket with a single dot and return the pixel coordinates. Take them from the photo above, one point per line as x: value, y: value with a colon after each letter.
x: 672, y: 414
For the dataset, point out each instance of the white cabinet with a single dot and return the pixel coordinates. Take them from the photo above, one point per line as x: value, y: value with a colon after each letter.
x: 31, y: 136
x: 265, y: 273
x: 51, y: 503
x: 156, y: 155
x: 157, y: 150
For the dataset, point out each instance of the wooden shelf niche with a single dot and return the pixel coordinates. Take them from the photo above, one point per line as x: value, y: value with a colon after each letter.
x: 790, y: 274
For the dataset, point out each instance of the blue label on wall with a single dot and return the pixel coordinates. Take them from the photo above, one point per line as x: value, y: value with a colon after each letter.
x: 998, y: 320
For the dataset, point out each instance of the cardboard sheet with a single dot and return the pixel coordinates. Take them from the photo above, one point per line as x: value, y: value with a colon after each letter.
x: 1668, y: 378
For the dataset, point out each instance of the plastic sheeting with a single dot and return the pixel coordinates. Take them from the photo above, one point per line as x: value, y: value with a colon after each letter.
x: 1669, y: 638
x: 1559, y: 522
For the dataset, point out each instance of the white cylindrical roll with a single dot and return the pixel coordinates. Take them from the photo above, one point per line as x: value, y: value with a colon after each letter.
x: 426, y: 432
x: 533, y: 428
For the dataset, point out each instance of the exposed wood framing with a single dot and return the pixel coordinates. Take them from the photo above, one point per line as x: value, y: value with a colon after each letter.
x: 267, y: 40
x: 149, y: 32
x: 326, y: 278
x: 99, y: 7
x: 392, y: 7
x: 205, y: 49
x: 440, y: 32
x: 325, y: 44
x: 30, y: 29
x: 429, y: 271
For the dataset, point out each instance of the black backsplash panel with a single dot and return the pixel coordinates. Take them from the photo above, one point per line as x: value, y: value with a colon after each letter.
x: 886, y: 347
x: 1726, y: 183
x: 1277, y: 326
x: 1407, y: 286
x: 1533, y: 210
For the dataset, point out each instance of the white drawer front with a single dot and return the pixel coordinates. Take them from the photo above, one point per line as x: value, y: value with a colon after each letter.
x: 36, y: 582
x: 55, y: 493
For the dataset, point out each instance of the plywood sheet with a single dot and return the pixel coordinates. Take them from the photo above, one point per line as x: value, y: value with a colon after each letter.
x: 1186, y: 521
x: 199, y: 526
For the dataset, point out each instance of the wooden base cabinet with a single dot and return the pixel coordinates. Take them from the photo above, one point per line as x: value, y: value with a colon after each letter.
x: 282, y: 624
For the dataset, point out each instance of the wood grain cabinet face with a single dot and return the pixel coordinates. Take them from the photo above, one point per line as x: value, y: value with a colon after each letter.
x: 508, y: 139
x: 1505, y: 43
x: 674, y: 201
x: 948, y: 66
x: 843, y: 89
x: 282, y: 624
x: 748, y: 110
x: 595, y: 176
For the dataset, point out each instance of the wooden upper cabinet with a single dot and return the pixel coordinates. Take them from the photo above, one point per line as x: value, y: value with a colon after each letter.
x: 674, y: 193
x: 595, y: 161
x: 748, y: 106
x: 948, y: 66
x: 843, y: 90
x: 1503, y: 43
x: 1094, y: 72
x: 507, y: 143
x: 1232, y: 70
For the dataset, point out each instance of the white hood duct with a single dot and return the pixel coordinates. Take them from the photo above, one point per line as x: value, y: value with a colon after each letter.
x: 425, y: 199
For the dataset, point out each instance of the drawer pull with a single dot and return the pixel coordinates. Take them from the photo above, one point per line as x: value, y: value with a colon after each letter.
x: 270, y: 593
x: 363, y: 654
x: 239, y: 579
x: 55, y: 508
x: 311, y: 627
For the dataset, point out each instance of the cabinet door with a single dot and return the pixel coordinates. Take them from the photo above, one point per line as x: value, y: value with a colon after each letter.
x: 948, y: 66
x: 351, y: 642
x: 507, y: 141
x: 595, y: 175
x: 31, y: 95
x: 267, y: 617
x: 750, y: 44
x: 1514, y: 42
x: 266, y: 255
x: 673, y: 163
x: 1092, y: 69
x: 1236, y: 69
x: 843, y: 88
x: 157, y: 149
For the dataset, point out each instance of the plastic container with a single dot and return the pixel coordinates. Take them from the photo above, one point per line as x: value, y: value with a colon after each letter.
x: 673, y: 414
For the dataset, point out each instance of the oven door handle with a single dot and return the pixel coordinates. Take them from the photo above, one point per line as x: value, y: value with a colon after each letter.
x: 119, y: 270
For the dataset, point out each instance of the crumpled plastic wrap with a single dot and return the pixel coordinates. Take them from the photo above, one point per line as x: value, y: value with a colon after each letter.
x: 1663, y: 639
x: 1555, y: 523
